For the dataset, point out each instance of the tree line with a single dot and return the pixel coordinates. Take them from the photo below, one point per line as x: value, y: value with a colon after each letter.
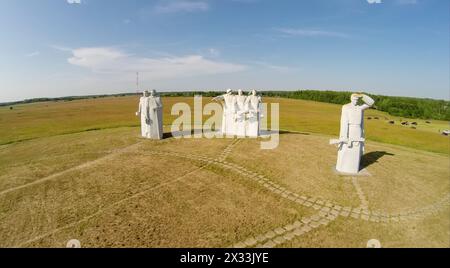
x: 407, y: 107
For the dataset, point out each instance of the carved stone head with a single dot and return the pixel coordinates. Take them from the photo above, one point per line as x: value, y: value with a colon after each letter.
x: 354, y: 98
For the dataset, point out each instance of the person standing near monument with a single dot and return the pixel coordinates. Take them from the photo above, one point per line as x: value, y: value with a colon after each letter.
x: 351, y: 138
x: 253, y: 105
x: 228, y: 116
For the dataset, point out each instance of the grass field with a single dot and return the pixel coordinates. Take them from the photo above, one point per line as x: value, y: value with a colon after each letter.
x: 80, y: 170
x: 54, y: 118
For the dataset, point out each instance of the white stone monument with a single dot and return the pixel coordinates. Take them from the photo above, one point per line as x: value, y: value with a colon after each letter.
x: 351, y: 138
x: 241, y: 112
x: 150, y: 110
x: 229, y: 115
x: 253, y: 105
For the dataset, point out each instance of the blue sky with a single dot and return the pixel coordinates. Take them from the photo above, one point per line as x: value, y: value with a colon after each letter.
x: 52, y: 48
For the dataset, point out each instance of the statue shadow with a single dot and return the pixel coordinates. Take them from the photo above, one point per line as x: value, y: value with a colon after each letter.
x: 263, y: 133
x: 179, y: 134
x: 371, y: 158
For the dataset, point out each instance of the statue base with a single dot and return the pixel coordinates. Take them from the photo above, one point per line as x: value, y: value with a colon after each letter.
x: 362, y: 173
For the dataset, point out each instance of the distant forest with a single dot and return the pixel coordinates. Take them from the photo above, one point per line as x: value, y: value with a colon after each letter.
x: 398, y: 106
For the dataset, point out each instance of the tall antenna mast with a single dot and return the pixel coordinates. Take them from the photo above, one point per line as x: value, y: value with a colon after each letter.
x: 137, y: 81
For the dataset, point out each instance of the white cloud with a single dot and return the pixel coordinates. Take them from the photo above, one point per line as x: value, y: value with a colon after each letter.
x: 214, y: 52
x: 310, y: 33
x: 74, y: 1
x: 174, y: 6
x: 274, y: 67
x: 374, y: 1
x: 33, y: 54
x: 114, y: 61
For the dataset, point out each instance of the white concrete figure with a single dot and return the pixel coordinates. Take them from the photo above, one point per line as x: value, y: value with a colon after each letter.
x: 150, y: 110
x: 143, y: 113
x: 241, y: 111
x: 253, y: 105
x: 351, y: 137
x: 228, y: 117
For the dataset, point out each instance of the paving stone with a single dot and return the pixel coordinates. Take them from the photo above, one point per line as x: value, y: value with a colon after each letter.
x: 307, y: 204
x: 334, y: 212
x: 300, y: 201
x: 297, y: 224
x: 284, y: 195
x: 356, y: 210
x: 277, y: 191
x: 250, y: 241
x: 328, y: 204
x: 289, y: 236
x: 239, y: 245
x: 279, y: 240
x: 269, y: 244
x: 306, y: 228
x: 260, y: 238
x: 314, y: 224
x: 324, y: 221
x: 331, y: 217
x: 315, y: 217
x: 306, y: 220
x: 326, y: 209
x: 270, y: 234
x: 355, y: 215
x: 298, y: 232
x: 292, y: 198
x: 323, y: 213
x: 337, y: 207
x: 365, y: 212
x: 320, y: 202
x: 347, y: 209
x: 345, y: 213
x: 279, y: 231
x: 365, y: 217
x: 289, y: 227
x: 304, y: 197
x: 317, y: 207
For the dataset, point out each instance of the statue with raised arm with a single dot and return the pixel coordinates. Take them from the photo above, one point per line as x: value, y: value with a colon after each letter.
x: 150, y: 110
x: 253, y: 105
x: 241, y: 112
x: 228, y: 115
x: 351, y: 138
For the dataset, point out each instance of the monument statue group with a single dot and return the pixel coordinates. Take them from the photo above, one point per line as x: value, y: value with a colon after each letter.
x: 150, y: 110
x: 242, y: 115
